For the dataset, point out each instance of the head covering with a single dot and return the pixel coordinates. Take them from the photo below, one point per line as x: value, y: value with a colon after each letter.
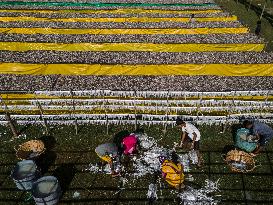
x: 129, y: 144
x: 161, y: 159
x: 107, y: 151
x: 179, y: 121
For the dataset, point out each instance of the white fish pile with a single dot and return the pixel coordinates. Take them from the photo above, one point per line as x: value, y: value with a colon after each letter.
x: 211, y: 186
x: 148, y: 162
x: 191, y: 196
x: 95, y: 168
x: 146, y: 142
x: 152, y: 195
x: 76, y: 195
x: 193, y: 156
x: 22, y: 136
x: 123, y: 181
x: 185, y: 161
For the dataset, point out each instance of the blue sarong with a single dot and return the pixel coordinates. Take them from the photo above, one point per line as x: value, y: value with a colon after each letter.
x: 243, y: 144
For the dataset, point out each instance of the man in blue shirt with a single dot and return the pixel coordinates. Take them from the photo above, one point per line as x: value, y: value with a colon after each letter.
x: 244, y: 140
x: 262, y: 131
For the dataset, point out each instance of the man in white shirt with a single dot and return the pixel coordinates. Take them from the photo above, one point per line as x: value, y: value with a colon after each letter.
x: 190, y: 134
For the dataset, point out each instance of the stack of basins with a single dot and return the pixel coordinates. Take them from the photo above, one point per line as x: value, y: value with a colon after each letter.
x: 128, y: 45
x: 27, y: 175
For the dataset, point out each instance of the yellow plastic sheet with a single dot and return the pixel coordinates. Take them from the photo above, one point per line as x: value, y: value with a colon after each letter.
x: 19, y: 46
x: 123, y: 31
x: 23, y: 98
x: 115, y: 11
x: 98, y: 69
x: 120, y: 20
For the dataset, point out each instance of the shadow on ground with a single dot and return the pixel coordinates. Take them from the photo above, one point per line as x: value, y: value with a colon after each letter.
x: 65, y: 174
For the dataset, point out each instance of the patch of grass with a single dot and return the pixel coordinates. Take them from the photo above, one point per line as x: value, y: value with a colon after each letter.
x: 268, y: 4
x: 231, y: 182
x: 259, y: 195
x: 232, y: 195
x: 199, y: 180
x: 258, y: 182
x: 249, y: 18
x: 271, y: 158
x: 101, y: 189
x: 223, y: 168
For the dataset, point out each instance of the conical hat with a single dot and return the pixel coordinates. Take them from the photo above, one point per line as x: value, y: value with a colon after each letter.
x: 106, y: 149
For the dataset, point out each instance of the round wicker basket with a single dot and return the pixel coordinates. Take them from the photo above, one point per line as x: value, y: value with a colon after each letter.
x: 240, y: 161
x: 30, y: 149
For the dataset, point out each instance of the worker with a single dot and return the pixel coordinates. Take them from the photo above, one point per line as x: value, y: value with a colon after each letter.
x: 108, y: 152
x: 127, y: 143
x: 245, y: 141
x: 190, y: 135
x: 261, y: 131
x: 172, y: 171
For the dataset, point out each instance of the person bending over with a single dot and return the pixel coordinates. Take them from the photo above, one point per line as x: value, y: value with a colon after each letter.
x: 190, y: 135
x: 262, y: 131
x: 172, y: 171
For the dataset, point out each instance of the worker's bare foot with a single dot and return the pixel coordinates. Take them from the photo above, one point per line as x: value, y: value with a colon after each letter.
x: 180, y: 186
x: 200, y: 163
x: 115, y: 174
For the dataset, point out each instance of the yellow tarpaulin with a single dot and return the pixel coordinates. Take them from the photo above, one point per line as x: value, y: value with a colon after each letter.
x: 98, y: 69
x: 118, y: 20
x: 123, y: 31
x: 23, y: 99
x: 115, y: 11
x: 18, y: 46
x: 9, y: 96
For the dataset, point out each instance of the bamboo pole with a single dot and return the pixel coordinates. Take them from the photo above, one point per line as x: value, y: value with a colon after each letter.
x: 265, y: 101
x: 228, y: 116
x: 42, y: 116
x: 167, y: 112
x: 11, y: 125
x: 266, y: 44
x: 156, y: 107
x: 10, y: 121
x: 107, y: 125
x: 198, y: 107
x: 74, y: 112
x: 176, y: 102
x: 135, y: 110
x: 106, y: 116
x: 261, y: 16
x: 249, y: 5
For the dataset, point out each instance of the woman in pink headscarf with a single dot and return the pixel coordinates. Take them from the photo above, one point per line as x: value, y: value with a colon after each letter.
x: 126, y: 142
x: 129, y: 144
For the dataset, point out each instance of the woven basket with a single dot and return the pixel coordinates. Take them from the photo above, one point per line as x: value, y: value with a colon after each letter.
x: 240, y: 161
x: 30, y: 149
